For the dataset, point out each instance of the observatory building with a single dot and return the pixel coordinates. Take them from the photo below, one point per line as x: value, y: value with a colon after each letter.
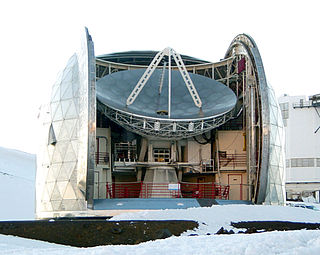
x: 155, y: 129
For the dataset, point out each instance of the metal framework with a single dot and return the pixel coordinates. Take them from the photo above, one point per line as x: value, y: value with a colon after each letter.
x: 224, y: 71
x: 164, y: 129
x: 153, y: 65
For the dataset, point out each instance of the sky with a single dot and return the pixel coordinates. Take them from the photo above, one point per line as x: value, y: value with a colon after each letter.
x: 38, y: 37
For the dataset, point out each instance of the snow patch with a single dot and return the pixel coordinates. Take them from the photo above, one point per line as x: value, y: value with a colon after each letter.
x: 17, y: 184
x: 219, y: 216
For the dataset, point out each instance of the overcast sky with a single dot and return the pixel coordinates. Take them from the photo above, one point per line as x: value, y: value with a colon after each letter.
x: 38, y: 37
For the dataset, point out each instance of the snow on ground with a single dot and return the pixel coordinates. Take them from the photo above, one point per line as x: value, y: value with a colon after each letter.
x: 219, y: 216
x: 17, y: 184
x: 289, y: 242
x: 285, y: 242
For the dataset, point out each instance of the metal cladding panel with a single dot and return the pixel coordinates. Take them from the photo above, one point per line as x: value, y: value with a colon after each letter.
x: 272, y: 179
x: 265, y: 149
x: 114, y: 89
x: 275, y: 188
x: 57, y: 188
x: 87, y: 118
x: 65, y: 162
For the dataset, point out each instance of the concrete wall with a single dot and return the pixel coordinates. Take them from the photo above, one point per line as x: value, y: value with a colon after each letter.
x: 198, y: 153
x: 102, y: 173
x: 233, y: 143
x: 102, y: 142
x: 231, y: 140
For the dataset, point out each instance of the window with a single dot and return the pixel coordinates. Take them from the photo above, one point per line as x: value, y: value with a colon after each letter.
x: 302, y: 162
x: 287, y: 163
x: 301, y: 102
x: 284, y: 110
x: 318, y: 162
x: 308, y: 162
x: 125, y: 152
x: 294, y: 162
x: 161, y: 155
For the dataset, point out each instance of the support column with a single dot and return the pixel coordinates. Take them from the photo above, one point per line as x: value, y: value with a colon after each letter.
x: 143, y: 150
x: 109, y: 171
x: 251, y: 131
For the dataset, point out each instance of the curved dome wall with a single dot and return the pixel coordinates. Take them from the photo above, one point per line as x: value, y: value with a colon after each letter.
x: 66, y: 164
x: 270, y: 172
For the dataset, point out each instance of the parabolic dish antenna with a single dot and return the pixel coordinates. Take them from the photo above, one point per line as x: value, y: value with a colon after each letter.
x: 114, y: 89
x: 148, y: 114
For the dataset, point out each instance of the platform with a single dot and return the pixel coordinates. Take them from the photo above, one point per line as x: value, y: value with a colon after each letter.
x: 159, y: 203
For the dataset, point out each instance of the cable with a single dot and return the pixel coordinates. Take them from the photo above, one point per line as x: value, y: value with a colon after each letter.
x: 203, y: 143
x: 204, y: 136
x: 232, y: 141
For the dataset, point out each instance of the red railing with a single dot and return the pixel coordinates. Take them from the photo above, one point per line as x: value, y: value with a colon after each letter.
x: 124, y: 190
x: 102, y: 158
x: 204, y: 190
x: 166, y: 190
x: 160, y: 190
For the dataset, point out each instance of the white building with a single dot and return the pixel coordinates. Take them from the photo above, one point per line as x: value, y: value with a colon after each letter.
x: 301, y: 119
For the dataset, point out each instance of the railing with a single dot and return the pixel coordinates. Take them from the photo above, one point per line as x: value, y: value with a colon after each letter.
x: 160, y: 190
x: 302, y: 104
x: 124, y: 190
x: 166, y: 190
x: 125, y: 152
x: 102, y: 158
x: 204, y: 190
x: 207, y: 165
x: 232, y: 160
